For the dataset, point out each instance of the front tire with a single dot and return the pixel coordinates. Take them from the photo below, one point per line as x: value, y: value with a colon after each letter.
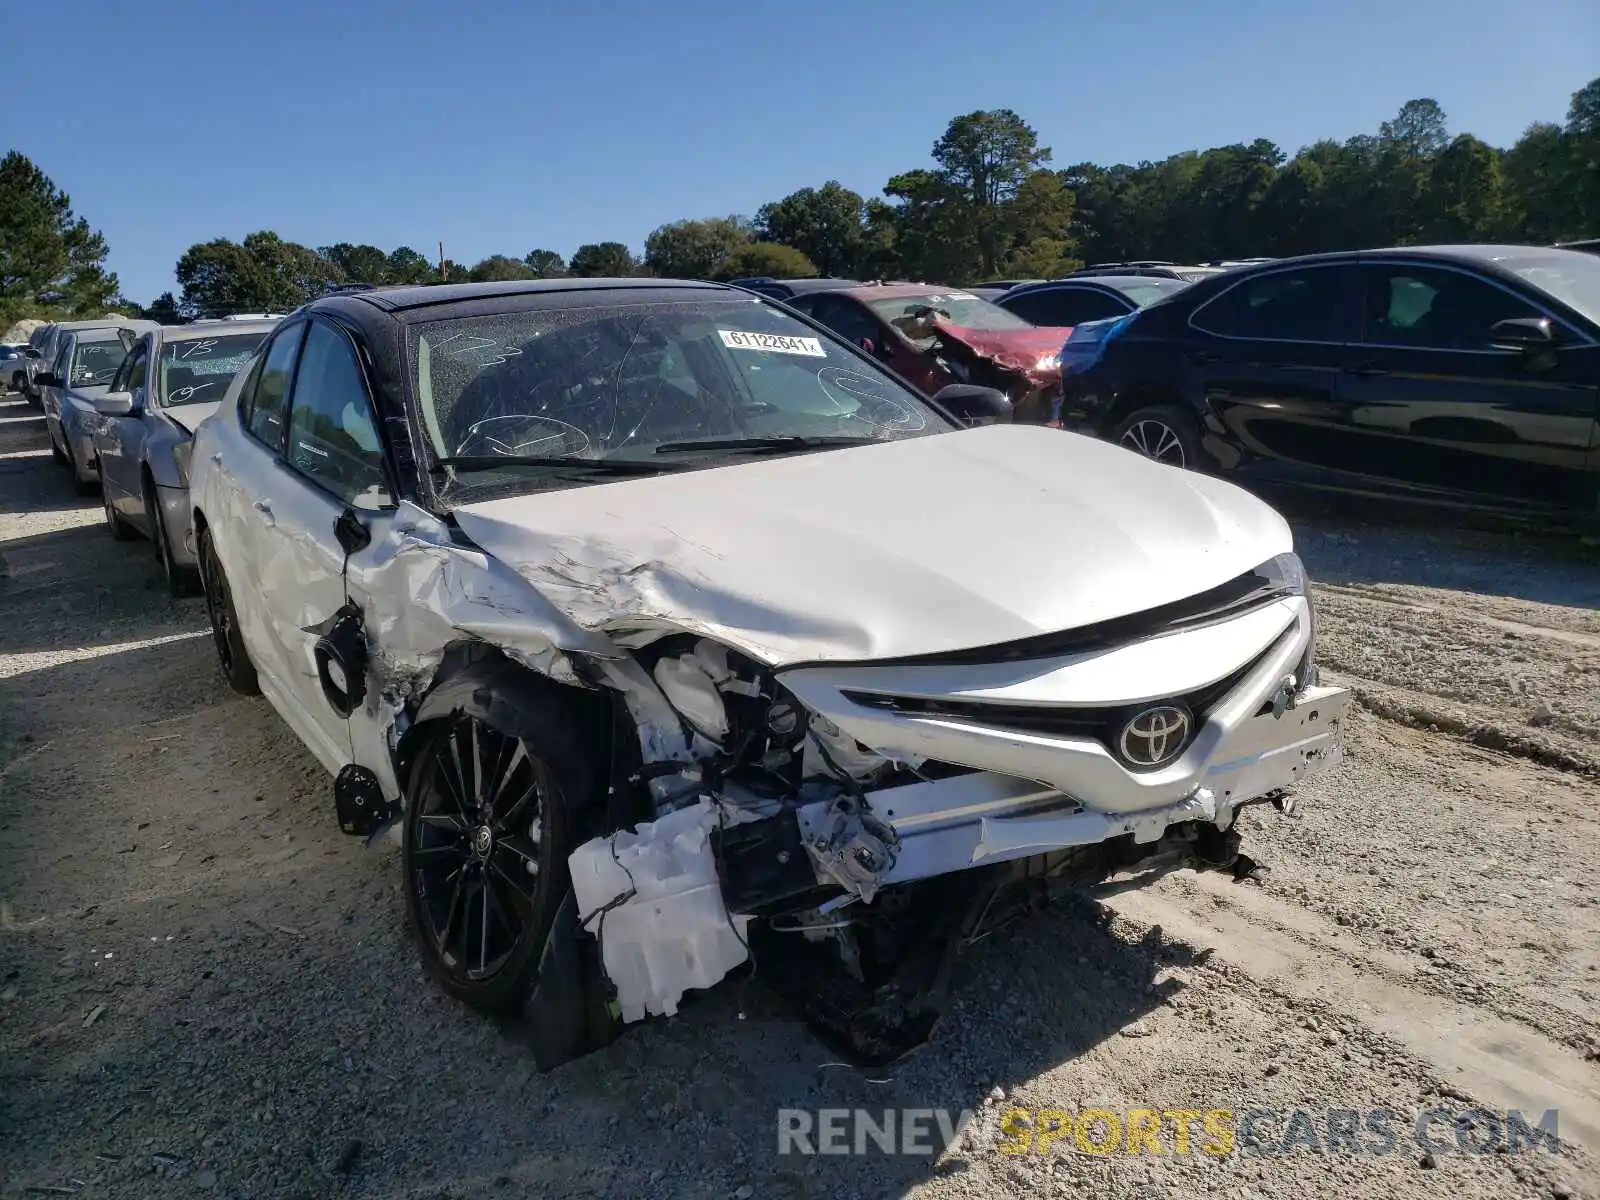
x: 1162, y: 433
x: 120, y: 530
x: 234, y: 659
x: 181, y: 581
x: 84, y: 487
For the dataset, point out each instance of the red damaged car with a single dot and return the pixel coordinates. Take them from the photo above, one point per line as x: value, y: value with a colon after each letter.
x: 934, y: 336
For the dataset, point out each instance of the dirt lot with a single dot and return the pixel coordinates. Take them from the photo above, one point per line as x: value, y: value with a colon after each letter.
x: 204, y: 987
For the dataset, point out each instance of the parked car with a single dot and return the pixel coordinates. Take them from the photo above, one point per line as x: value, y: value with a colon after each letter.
x: 1467, y: 374
x: 1069, y: 302
x: 147, y: 421
x: 14, y: 359
x: 1155, y: 268
x: 788, y: 289
x: 659, y: 624
x: 86, y: 361
x: 934, y: 336
x: 47, y: 341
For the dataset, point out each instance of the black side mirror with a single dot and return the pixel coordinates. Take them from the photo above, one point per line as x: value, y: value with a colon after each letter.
x: 1523, y: 333
x: 974, y: 405
x: 46, y: 379
x: 32, y: 353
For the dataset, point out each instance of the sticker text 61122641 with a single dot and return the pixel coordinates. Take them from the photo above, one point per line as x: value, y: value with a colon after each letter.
x: 775, y: 343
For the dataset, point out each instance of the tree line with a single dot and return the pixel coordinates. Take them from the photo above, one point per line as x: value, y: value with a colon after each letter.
x: 991, y: 204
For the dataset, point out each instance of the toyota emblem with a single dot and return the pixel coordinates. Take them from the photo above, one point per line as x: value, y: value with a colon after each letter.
x: 1154, y: 737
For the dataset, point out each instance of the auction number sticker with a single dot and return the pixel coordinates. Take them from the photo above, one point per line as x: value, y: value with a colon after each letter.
x: 776, y: 343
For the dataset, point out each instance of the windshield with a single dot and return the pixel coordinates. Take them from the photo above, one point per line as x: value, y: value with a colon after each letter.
x: 1572, y: 278
x: 631, y: 383
x: 963, y: 309
x: 94, y: 363
x: 1148, y: 291
x: 199, y: 369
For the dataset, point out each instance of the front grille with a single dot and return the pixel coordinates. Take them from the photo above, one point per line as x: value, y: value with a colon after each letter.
x: 1101, y: 724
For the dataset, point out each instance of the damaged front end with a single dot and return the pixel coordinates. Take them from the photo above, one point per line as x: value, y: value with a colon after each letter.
x: 851, y: 827
x: 1024, y: 364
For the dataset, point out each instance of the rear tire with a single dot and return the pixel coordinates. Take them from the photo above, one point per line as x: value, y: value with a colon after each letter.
x: 234, y: 659
x: 181, y: 581
x: 1162, y: 433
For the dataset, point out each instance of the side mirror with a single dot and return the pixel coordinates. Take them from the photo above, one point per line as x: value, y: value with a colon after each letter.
x: 867, y: 344
x: 32, y: 353
x: 1523, y: 333
x: 46, y: 379
x: 114, y: 404
x: 974, y: 405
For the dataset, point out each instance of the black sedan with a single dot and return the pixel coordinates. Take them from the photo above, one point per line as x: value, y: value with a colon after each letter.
x: 1462, y: 374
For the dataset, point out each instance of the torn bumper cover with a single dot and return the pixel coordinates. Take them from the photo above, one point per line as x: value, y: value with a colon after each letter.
x: 1040, y: 773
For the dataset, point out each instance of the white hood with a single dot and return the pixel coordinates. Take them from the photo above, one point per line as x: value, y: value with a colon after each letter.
x: 918, y: 546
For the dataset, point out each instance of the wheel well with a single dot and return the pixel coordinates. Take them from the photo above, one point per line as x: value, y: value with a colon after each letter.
x: 1145, y: 396
x: 477, y: 677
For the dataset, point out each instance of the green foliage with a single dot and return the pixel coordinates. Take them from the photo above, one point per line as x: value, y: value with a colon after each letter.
x: 546, y: 264
x: 52, y: 264
x: 827, y: 224
x: 263, y: 274
x: 603, y: 260
x: 767, y: 258
x: 499, y: 268
x: 164, y: 309
x: 695, y: 249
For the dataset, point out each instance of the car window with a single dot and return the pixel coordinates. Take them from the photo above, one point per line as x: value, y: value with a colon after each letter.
x: 58, y: 368
x: 638, y: 381
x: 130, y: 375
x: 846, y: 319
x: 333, y: 436
x: 1306, y: 305
x: 200, y: 369
x: 1066, y: 306
x: 265, y: 420
x: 94, y: 363
x: 1435, y: 309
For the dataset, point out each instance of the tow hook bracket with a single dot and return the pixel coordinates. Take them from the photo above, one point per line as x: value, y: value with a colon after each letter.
x: 358, y: 798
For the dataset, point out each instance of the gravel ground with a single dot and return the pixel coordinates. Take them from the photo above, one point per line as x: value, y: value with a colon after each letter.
x: 205, y: 990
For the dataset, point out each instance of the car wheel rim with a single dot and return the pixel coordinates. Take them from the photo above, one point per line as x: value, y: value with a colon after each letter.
x: 475, y: 843
x: 1157, y: 440
x: 220, y: 609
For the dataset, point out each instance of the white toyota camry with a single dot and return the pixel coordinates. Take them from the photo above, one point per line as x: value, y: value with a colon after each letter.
x: 667, y: 632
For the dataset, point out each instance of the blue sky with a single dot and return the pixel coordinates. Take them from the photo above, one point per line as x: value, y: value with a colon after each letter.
x: 499, y: 130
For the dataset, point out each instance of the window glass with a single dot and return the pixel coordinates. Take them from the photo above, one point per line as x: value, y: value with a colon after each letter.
x: 272, y: 388
x: 200, y: 369
x: 1435, y: 309
x: 1066, y: 306
x: 846, y: 319
x: 1301, y: 306
x: 333, y: 437
x: 636, y: 382
x: 94, y: 363
x: 130, y: 376
x: 908, y: 314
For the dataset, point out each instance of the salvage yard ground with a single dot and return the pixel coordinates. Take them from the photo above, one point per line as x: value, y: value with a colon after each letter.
x: 205, y: 989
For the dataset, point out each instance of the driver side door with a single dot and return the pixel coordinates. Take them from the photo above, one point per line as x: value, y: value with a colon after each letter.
x: 332, y: 461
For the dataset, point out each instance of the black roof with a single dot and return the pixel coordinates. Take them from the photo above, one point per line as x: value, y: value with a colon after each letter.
x: 401, y: 299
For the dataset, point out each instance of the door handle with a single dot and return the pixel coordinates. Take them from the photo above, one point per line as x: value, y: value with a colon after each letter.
x: 216, y: 459
x: 1368, y: 369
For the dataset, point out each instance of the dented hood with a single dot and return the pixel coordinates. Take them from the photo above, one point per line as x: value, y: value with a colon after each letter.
x: 1018, y: 350
x: 918, y: 546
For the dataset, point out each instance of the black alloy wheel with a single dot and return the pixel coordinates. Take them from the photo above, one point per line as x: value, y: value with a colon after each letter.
x: 480, y: 867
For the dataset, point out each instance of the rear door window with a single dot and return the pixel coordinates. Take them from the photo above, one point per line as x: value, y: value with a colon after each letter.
x: 1311, y: 304
x: 1066, y: 306
x: 271, y: 392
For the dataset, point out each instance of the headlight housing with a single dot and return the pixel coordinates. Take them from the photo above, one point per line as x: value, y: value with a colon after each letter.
x: 1285, y: 573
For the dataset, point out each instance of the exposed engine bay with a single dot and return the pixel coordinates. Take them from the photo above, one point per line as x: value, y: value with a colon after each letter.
x: 852, y: 877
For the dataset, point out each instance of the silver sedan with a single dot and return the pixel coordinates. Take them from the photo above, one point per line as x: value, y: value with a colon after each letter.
x: 82, y: 370
x: 172, y: 380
